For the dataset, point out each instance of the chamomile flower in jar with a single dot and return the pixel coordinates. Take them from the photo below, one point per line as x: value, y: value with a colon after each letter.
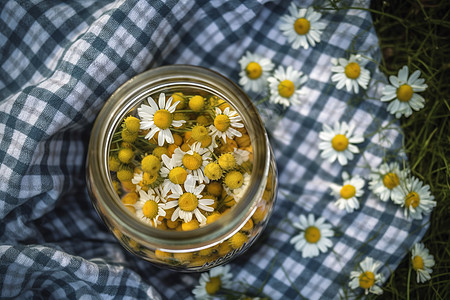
x: 189, y: 174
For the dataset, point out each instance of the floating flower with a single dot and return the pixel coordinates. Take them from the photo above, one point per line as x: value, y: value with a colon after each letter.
x: 367, y: 277
x: 194, y: 160
x: 149, y: 208
x: 285, y: 85
x: 225, y: 124
x: 314, y: 236
x: 301, y: 26
x: 159, y: 119
x: 349, y: 192
x: 190, y: 202
x: 422, y: 262
x: 254, y: 72
x: 403, y: 93
x: 350, y: 73
x: 211, y: 282
x: 338, y: 142
x: 386, y: 178
x: 415, y: 197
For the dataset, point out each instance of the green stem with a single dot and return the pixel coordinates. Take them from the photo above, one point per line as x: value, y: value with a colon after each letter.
x: 408, y: 283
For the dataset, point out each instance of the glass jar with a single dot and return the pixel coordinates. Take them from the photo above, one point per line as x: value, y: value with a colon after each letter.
x: 207, y: 246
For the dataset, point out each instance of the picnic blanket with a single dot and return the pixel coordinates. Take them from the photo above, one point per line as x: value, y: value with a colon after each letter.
x: 59, y: 63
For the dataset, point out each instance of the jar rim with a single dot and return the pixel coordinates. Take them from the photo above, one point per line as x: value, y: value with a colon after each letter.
x: 128, y: 96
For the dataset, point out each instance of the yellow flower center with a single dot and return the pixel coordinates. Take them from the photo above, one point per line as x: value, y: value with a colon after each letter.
x: 199, y: 133
x: 412, y: 199
x: 222, y: 122
x: 132, y: 124
x: 352, y: 70
x: 213, y: 285
x: 227, y: 161
x: 188, y: 202
x: 339, y: 142
x: 348, y: 191
x: 213, y: 171
x: 286, y: 88
x: 192, y: 161
x: 151, y: 164
x: 253, y: 70
x: 163, y: 118
x: 312, y: 234
x: 150, y: 209
x: 197, y: 103
x: 238, y: 240
x: 178, y: 175
x: 301, y: 26
x: 391, y: 180
x: 148, y: 178
x: 417, y: 263
x: 366, y: 279
x: 404, y: 93
x: 234, y: 180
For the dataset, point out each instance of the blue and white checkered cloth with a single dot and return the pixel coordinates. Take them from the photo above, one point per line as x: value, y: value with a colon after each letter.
x: 60, y: 61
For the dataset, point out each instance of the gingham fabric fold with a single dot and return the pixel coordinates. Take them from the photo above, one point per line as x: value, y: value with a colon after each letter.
x: 60, y: 61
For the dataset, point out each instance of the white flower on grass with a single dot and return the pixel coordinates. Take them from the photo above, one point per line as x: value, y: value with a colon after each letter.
x: 174, y: 175
x: 350, y: 73
x: 211, y: 282
x: 337, y: 143
x: 254, y: 72
x: 422, y: 262
x: 302, y: 27
x: 366, y: 277
x: 314, y: 236
x: 386, y: 178
x: 403, y: 93
x: 190, y: 202
x: 225, y: 124
x: 348, y: 193
x: 149, y: 208
x: 415, y: 197
x: 159, y: 119
x: 194, y: 160
x: 285, y: 86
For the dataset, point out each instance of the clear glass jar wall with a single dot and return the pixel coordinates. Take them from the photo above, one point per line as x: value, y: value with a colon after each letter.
x: 240, y: 222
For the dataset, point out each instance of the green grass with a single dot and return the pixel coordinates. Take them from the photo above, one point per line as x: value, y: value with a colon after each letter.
x: 417, y: 34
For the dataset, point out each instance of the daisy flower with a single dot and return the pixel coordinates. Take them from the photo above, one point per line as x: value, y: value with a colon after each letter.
x: 301, y: 26
x: 194, y: 160
x: 285, y: 85
x: 149, y: 208
x: 386, y: 178
x: 422, y: 262
x: 159, y: 118
x: 367, y: 277
x: 314, y: 236
x: 237, y: 193
x: 174, y: 175
x: 211, y: 282
x: 337, y: 143
x: 254, y: 72
x: 190, y: 202
x: 350, y: 73
x: 415, y: 197
x: 143, y: 180
x: 225, y: 123
x: 349, y: 192
x: 403, y: 93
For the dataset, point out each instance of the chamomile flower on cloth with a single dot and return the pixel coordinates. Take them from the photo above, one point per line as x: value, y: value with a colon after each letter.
x: 415, y: 197
x: 211, y: 282
x: 254, y: 72
x: 337, y: 142
x: 194, y: 160
x: 349, y: 192
x: 174, y: 175
x: 225, y: 124
x: 350, y: 73
x: 314, y: 236
x: 302, y: 27
x: 190, y: 202
x: 403, y: 93
x: 367, y: 277
x: 149, y: 208
x: 422, y: 262
x: 159, y: 118
x: 386, y: 178
x: 285, y: 86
